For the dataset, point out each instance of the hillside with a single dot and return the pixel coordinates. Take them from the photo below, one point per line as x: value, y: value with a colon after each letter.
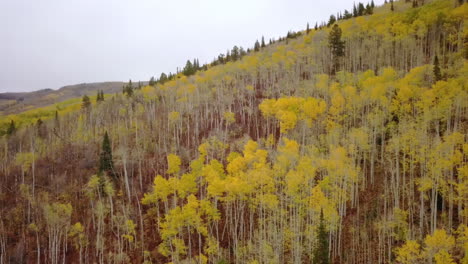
x: 14, y: 103
x: 341, y: 144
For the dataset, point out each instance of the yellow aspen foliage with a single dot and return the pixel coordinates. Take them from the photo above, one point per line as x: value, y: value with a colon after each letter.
x: 287, y: 120
x: 399, y: 224
x: 186, y: 185
x: 229, y: 117
x: 173, y: 117
x: 130, y: 230
x: 289, y: 110
x: 438, y: 244
x: 201, y: 259
x: 443, y: 257
x: 288, y: 154
x: 270, y: 141
x: 311, y: 109
x: 78, y: 236
x: 161, y: 190
x: 408, y: 253
x: 24, y: 160
x: 148, y: 91
x: 211, y: 246
x: 236, y: 164
x: 173, y: 162
x: 319, y: 202
x: 462, y: 240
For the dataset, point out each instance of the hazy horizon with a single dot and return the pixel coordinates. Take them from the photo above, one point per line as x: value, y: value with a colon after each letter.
x: 51, y: 44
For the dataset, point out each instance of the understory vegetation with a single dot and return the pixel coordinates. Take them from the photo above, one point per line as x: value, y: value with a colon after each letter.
x: 346, y: 143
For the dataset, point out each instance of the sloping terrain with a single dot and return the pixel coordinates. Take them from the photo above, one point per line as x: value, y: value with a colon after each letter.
x: 14, y: 103
x: 341, y: 144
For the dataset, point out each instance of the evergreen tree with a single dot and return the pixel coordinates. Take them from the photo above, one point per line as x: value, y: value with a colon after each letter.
x: 128, y: 89
x: 316, y: 26
x: 355, y: 12
x: 105, y: 162
x: 347, y: 15
x: 263, y: 42
x: 320, y: 254
x: 307, y: 29
x: 437, y: 73
x: 368, y: 10
x: 361, y: 9
x: 151, y: 81
x: 11, y: 129
x: 372, y: 4
x: 235, y: 55
x: 336, y: 46
x: 257, y: 46
x: 86, y: 102
x: 163, y: 78
x: 189, y: 68
x: 100, y: 96
x: 391, y: 6
x: 331, y: 21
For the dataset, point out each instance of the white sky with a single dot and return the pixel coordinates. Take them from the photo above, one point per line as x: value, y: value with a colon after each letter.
x: 53, y: 43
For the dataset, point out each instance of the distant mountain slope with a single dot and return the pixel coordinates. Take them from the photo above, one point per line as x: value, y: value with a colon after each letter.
x: 341, y: 144
x: 19, y: 102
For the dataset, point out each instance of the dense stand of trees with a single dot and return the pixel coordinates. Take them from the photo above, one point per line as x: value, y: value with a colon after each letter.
x: 343, y: 145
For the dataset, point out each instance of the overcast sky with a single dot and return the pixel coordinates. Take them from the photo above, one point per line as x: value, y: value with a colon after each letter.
x: 53, y: 43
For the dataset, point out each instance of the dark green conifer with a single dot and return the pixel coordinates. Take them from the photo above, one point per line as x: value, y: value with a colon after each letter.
x: 257, y: 46
x: 336, y: 46
x: 320, y: 254
x: 106, y: 165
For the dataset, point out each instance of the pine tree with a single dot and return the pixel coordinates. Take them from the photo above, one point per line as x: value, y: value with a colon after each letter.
x: 320, y: 254
x: 105, y: 162
x: 355, y: 12
x: 86, y: 102
x: 257, y: 46
x: 128, y: 89
x: 100, y: 96
x: 331, y: 21
x: 307, y: 28
x: 263, y: 42
x: 151, y: 81
x: 163, y: 78
x: 368, y: 10
x: 437, y: 73
x: 361, y: 9
x: 316, y: 26
x: 391, y: 6
x: 11, y: 129
x: 347, y: 15
x: 336, y: 46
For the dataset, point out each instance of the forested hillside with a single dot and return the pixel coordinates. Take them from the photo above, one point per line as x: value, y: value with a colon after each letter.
x: 11, y: 103
x: 343, y: 143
